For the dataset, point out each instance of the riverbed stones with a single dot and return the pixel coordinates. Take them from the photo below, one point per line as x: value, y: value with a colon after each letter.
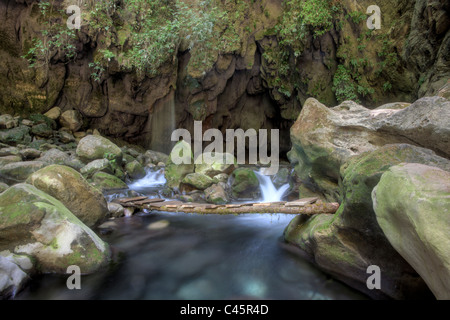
x: 68, y: 186
x: 412, y: 206
x: 346, y: 243
x: 94, y: 147
x: 36, y: 224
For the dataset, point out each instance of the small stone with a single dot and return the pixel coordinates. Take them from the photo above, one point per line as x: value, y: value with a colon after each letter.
x: 53, y: 113
x: 158, y: 225
x: 71, y: 119
x: 30, y: 153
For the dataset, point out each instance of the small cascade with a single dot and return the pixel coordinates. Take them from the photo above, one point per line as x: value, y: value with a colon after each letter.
x: 151, y: 180
x: 268, y: 191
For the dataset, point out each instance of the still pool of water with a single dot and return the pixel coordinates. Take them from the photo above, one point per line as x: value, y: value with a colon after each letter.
x: 190, y: 256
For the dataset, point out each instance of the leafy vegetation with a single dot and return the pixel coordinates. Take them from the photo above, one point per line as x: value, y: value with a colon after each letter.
x: 56, y: 38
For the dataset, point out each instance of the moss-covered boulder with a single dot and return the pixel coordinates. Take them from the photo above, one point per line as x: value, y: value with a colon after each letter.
x: 54, y: 156
x: 69, y: 187
x: 135, y: 170
x: 346, y: 243
x: 412, y: 206
x: 96, y: 166
x: 19, y: 171
x: 95, y: 147
x: 216, y: 194
x: 18, y: 135
x: 34, y: 223
x: 175, y: 172
x: 324, y: 138
x: 244, y: 183
x: 214, y: 163
x: 42, y: 130
x: 105, y: 182
x: 199, y: 181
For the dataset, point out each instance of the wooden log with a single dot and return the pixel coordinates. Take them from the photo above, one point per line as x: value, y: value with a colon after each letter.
x: 125, y: 200
x: 309, y: 209
x: 146, y: 201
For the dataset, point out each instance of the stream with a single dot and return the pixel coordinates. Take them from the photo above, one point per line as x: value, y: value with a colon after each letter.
x: 189, y: 256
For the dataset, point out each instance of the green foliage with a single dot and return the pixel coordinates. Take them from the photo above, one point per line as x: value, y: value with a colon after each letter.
x: 55, y: 38
x: 344, y: 86
x: 356, y: 16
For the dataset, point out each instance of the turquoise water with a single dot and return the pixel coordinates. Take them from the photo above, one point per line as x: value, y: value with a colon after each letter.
x: 198, y: 257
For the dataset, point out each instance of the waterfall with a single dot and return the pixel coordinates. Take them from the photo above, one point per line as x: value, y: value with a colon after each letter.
x: 151, y: 180
x: 163, y: 124
x: 268, y: 191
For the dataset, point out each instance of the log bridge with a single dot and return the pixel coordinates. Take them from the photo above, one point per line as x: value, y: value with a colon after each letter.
x: 307, y: 206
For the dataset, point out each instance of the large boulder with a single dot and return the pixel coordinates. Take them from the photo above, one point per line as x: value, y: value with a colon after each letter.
x: 175, y: 172
x: 412, y: 206
x: 95, y: 147
x: 325, y: 138
x: 34, y: 223
x: 199, y: 181
x: 69, y: 187
x: 19, y: 171
x: 244, y: 183
x: 346, y: 243
x: 214, y: 163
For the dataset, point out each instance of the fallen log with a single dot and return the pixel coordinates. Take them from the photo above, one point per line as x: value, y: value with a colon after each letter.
x: 309, y: 209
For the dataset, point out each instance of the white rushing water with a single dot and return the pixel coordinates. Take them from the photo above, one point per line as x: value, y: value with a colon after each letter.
x: 268, y: 191
x: 152, y: 179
